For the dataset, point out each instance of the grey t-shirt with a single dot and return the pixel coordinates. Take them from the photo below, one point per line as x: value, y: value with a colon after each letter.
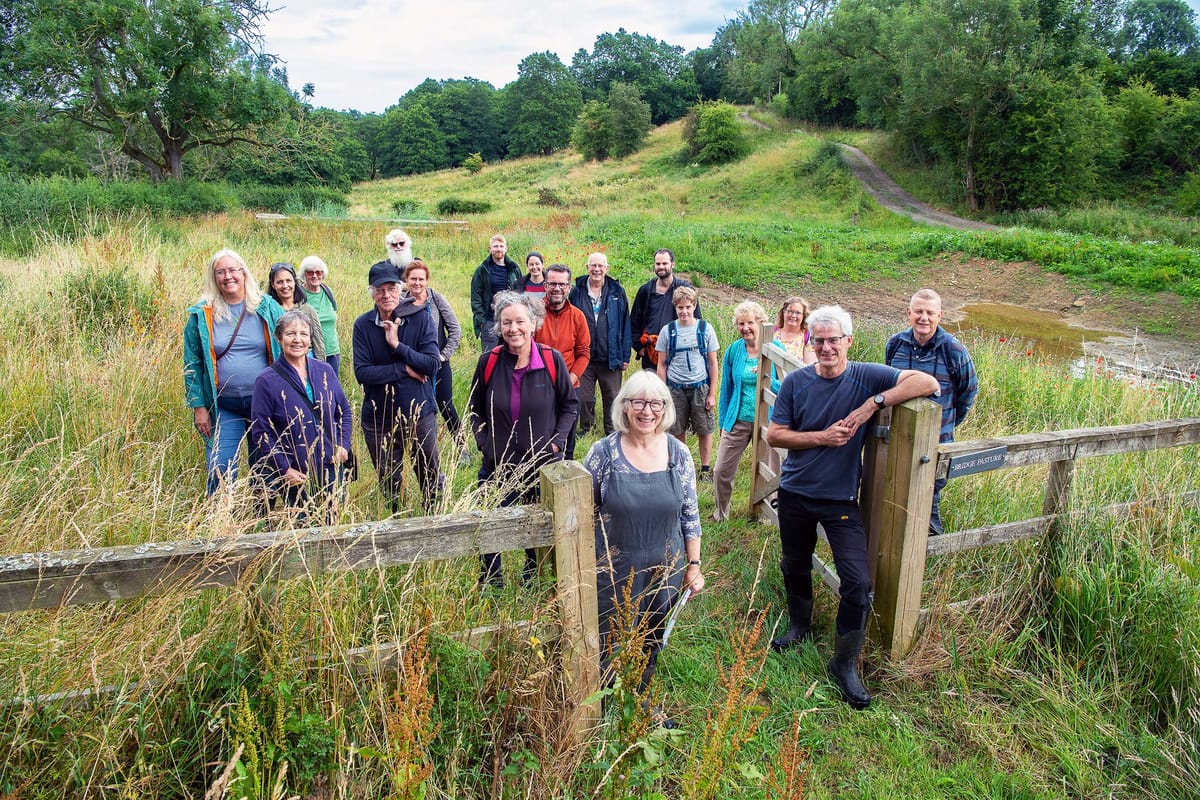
x: 688, y: 365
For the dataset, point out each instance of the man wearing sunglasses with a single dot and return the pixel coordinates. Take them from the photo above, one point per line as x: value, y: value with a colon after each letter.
x: 399, y: 248
x: 821, y: 417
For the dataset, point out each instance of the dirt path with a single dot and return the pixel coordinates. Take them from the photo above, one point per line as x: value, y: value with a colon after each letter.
x: 889, y: 194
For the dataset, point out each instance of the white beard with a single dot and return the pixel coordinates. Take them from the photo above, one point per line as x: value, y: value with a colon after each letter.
x: 400, y: 258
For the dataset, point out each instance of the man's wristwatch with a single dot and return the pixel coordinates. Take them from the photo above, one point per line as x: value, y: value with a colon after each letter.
x: 879, y: 401
x: 695, y: 562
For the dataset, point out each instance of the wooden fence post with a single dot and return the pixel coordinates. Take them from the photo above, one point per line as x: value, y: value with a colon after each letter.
x: 567, y: 494
x: 1054, y: 503
x: 900, y: 524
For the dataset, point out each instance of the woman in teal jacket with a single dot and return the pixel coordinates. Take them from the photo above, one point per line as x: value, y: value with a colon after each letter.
x: 737, y: 401
x: 227, y: 341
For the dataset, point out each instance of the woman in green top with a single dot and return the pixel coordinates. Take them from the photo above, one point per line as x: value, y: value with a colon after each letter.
x: 313, y: 272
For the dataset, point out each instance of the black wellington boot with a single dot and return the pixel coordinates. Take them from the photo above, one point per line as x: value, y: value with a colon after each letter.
x: 800, y: 629
x: 843, y: 668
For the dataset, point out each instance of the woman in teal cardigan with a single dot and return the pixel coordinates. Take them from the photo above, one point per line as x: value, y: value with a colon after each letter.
x: 735, y: 406
x: 227, y: 341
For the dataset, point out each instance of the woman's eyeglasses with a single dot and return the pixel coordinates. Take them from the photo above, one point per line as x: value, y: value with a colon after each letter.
x: 639, y: 404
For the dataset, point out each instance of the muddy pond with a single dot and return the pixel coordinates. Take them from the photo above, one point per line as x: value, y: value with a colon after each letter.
x: 1051, y: 336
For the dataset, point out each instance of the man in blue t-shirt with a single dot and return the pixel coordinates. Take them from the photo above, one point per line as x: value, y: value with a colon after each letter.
x: 820, y: 417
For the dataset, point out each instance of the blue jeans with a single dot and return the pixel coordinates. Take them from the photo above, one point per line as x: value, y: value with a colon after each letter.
x: 229, y: 429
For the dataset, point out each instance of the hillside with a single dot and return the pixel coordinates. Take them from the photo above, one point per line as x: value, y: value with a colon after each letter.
x: 790, y: 218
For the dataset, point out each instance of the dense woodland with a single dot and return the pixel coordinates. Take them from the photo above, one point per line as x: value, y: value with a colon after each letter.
x: 1015, y: 103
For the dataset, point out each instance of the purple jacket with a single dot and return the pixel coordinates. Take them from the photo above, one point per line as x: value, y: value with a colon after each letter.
x: 548, y: 410
x: 283, y: 423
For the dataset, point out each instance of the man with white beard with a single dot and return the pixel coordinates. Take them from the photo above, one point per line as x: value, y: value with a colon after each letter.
x: 399, y: 248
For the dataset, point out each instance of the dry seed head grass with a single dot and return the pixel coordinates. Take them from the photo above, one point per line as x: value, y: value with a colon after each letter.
x: 732, y: 722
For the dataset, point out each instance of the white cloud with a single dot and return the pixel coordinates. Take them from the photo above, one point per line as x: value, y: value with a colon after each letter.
x: 365, y: 54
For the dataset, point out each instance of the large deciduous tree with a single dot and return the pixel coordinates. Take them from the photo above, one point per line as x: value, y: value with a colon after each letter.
x: 159, y: 77
x: 662, y: 72
x: 467, y: 114
x: 541, y: 106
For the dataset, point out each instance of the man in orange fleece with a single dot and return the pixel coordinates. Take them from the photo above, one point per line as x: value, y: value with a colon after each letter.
x: 566, y: 330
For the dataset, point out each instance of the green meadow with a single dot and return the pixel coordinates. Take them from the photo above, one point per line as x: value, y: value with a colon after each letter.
x: 1081, y: 680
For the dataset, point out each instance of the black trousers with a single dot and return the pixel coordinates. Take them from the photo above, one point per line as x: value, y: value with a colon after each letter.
x: 842, y: 521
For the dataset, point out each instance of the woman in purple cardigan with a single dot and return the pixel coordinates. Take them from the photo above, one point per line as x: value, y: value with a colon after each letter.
x: 301, y: 421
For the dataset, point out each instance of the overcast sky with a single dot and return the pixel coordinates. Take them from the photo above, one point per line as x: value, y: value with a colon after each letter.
x: 365, y: 54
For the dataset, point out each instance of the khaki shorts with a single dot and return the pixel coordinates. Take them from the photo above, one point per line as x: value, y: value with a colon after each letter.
x: 690, y: 413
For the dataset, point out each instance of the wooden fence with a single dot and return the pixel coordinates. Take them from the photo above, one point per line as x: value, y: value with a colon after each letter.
x: 561, y: 528
x: 901, y: 460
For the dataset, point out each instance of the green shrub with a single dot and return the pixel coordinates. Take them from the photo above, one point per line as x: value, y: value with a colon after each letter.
x: 713, y: 134
x: 456, y: 205
x: 548, y: 197
x: 288, y: 199
x: 1188, y: 199
x: 593, y: 134
x: 406, y: 207
x: 473, y: 163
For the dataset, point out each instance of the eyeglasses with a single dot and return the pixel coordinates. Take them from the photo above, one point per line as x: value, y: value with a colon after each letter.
x: 398, y: 244
x: 557, y: 284
x: 222, y: 274
x: 315, y: 272
x: 638, y: 404
x: 389, y: 289
x: 821, y: 341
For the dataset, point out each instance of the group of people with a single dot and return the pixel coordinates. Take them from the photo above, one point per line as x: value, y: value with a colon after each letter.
x: 267, y: 366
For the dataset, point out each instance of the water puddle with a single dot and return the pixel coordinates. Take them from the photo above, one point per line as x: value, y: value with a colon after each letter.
x: 1082, y: 349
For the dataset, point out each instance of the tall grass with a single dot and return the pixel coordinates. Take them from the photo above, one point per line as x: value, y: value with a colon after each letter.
x: 1088, y: 691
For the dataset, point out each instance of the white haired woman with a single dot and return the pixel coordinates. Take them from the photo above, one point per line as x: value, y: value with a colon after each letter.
x: 227, y: 342
x: 313, y: 272
x: 647, y: 517
x: 737, y: 403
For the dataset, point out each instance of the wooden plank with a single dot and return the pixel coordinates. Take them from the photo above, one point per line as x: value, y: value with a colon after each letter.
x: 759, y: 449
x: 870, y: 499
x: 1032, y: 528
x: 1057, y: 497
x: 1040, y: 448
x: 567, y: 494
x: 903, y: 523
x: 827, y: 574
x: 53, y: 579
x: 784, y: 361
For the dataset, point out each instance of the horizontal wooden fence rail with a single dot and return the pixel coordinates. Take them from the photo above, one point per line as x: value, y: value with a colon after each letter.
x: 561, y: 528
x: 70, y: 577
x: 1060, y: 449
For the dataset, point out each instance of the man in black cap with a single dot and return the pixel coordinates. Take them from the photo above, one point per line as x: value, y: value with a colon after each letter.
x: 395, y: 356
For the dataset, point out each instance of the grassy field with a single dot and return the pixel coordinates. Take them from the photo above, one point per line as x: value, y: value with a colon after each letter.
x: 1090, y: 690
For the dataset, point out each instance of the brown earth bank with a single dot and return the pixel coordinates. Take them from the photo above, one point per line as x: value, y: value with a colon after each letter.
x: 963, y: 281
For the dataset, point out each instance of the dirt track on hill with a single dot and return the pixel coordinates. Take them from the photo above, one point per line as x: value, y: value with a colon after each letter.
x: 889, y: 194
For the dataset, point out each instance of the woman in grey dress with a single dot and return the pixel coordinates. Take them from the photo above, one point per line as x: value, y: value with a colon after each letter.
x: 647, y: 517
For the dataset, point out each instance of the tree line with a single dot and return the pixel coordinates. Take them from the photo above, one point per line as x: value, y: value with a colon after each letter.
x: 1018, y: 103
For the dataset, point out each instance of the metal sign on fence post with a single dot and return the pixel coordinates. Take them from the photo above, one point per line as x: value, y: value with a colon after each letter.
x: 979, y: 461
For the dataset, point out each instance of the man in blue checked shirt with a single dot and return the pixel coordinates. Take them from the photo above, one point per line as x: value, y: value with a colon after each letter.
x: 927, y: 347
